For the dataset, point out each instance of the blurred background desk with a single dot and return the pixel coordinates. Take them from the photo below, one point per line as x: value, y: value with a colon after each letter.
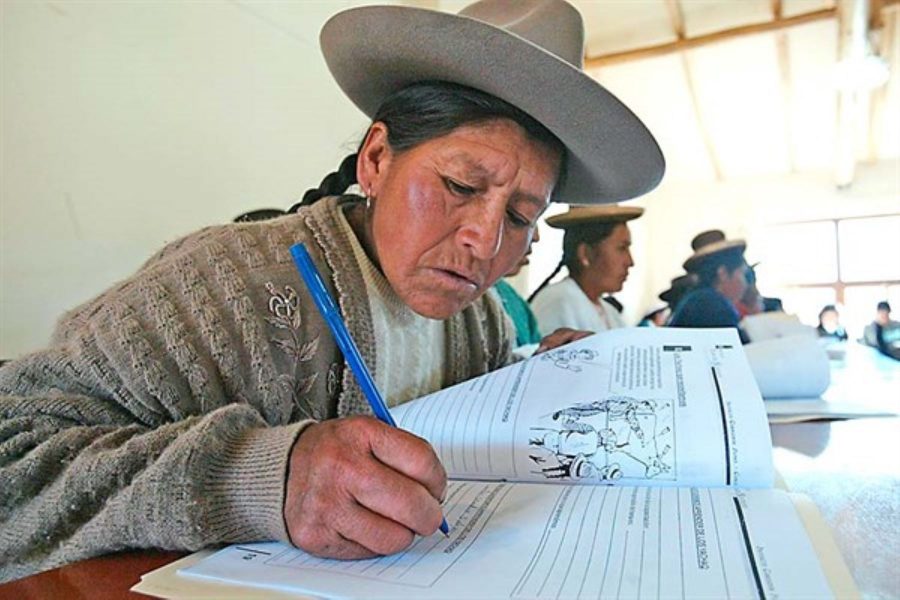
x: 851, y: 471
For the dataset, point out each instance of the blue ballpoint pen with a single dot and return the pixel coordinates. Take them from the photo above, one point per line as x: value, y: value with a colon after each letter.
x: 326, y: 306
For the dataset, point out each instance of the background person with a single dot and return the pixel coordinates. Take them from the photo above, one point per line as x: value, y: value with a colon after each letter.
x: 721, y: 282
x: 883, y: 333
x: 597, y: 255
x: 830, y: 324
x: 203, y: 400
x: 526, y: 326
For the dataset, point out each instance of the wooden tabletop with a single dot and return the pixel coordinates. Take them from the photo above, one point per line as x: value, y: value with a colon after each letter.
x: 103, y: 578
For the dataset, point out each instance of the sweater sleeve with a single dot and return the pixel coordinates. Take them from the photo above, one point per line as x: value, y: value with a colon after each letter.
x: 165, y: 413
x: 77, y: 479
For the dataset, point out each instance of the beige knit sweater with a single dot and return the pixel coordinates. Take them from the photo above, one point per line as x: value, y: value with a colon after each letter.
x: 163, y: 413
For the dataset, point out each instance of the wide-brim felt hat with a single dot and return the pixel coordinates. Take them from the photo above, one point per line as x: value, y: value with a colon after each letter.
x: 678, y: 287
x: 714, y: 251
x: 586, y: 215
x: 528, y: 53
x: 704, y: 238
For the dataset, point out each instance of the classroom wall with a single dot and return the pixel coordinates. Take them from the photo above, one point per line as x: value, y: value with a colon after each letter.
x: 125, y: 125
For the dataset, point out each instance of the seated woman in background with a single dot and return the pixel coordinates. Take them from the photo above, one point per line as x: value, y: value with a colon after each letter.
x: 656, y: 317
x: 678, y: 289
x: 597, y: 255
x: 204, y: 401
x: 883, y: 333
x: 830, y: 324
x: 527, y: 333
x: 721, y: 282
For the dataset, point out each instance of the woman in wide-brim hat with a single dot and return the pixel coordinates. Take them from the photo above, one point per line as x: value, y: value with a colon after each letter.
x: 597, y: 255
x: 721, y: 272
x: 214, y: 383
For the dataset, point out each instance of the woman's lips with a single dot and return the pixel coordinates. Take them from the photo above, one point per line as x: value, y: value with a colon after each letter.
x: 456, y: 279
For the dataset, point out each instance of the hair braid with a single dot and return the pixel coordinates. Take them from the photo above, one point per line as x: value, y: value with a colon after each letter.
x: 334, y: 184
x: 546, y: 281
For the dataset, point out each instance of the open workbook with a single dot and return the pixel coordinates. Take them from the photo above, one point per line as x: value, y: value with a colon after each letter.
x: 634, y: 463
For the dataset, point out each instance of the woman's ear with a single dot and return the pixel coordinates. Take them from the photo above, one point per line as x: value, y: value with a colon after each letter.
x: 373, y: 159
x: 583, y: 254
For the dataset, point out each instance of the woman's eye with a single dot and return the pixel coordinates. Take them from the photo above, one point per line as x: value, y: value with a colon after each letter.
x: 459, y: 188
x: 517, y: 219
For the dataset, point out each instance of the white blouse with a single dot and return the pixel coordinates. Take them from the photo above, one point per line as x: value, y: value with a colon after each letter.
x: 564, y: 304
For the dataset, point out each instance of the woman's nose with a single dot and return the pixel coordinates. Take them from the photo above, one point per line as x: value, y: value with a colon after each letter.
x: 482, y: 230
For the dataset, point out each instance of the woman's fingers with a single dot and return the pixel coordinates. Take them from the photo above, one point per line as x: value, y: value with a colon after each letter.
x: 560, y: 337
x: 357, y: 487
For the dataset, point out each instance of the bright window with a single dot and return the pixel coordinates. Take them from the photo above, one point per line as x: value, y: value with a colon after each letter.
x: 870, y: 249
x: 853, y: 263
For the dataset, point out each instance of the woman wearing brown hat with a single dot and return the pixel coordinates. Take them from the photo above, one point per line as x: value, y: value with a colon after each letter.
x: 203, y: 400
x: 721, y: 273
x: 597, y: 255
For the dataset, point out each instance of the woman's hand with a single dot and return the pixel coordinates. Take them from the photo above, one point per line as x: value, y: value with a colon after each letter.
x: 359, y: 488
x: 560, y: 337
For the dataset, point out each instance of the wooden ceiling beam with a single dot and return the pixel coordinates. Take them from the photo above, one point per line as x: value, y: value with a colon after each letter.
x: 593, y: 62
x: 676, y: 17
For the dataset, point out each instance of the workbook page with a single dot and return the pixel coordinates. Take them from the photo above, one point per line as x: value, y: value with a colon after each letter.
x: 526, y: 541
x: 635, y: 406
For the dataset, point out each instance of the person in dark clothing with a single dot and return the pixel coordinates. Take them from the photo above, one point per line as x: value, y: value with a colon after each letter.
x: 830, y: 324
x: 678, y: 289
x: 722, y: 280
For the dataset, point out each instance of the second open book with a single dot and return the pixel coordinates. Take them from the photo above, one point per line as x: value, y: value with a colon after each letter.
x: 658, y: 446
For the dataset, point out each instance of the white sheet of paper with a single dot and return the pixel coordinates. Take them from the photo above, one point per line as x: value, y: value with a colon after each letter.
x: 789, y: 367
x: 632, y: 406
x: 566, y: 541
x: 795, y: 411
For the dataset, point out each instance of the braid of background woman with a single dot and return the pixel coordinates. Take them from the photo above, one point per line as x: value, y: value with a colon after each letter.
x: 561, y: 264
x: 334, y: 184
x: 574, y: 236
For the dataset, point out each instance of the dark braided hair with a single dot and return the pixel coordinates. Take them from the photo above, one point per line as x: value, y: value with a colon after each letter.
x: 589, y: 233
x: 427, y: 110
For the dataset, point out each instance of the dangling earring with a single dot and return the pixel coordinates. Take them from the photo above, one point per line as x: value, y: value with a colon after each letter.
x: 369, y: 198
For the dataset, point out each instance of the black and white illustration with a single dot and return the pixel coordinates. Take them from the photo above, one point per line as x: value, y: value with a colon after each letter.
x: 571, y: 359
x: 605, y: 440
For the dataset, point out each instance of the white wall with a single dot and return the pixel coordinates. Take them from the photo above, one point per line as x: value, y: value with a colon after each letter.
x: 127, y: 124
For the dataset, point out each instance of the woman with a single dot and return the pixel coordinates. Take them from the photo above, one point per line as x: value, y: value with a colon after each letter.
x: 597, y: 254
x: 830, y: 324
x: 721, y: 273
x: 203, y: 400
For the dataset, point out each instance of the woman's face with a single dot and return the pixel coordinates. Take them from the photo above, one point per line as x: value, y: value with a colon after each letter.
x: 733, y: 285
x: 452, y: 215
x: 608, y: 261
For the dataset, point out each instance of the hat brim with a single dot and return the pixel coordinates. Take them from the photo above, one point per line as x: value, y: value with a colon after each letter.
x: 610, y: 214
x: 713, y: 251
x: 374, y: 51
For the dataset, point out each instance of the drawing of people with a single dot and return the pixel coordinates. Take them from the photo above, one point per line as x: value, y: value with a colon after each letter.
x: 570, y: 359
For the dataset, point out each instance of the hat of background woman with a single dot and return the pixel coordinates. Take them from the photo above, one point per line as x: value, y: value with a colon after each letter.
x: 678, y: 287
x: 714, y: 251
x: 704, y: 238
x: 585, y: 215
x: 528, y: 53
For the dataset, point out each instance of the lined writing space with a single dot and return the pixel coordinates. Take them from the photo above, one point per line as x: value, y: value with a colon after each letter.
x: 532, y: 540
x: 471, y: 425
